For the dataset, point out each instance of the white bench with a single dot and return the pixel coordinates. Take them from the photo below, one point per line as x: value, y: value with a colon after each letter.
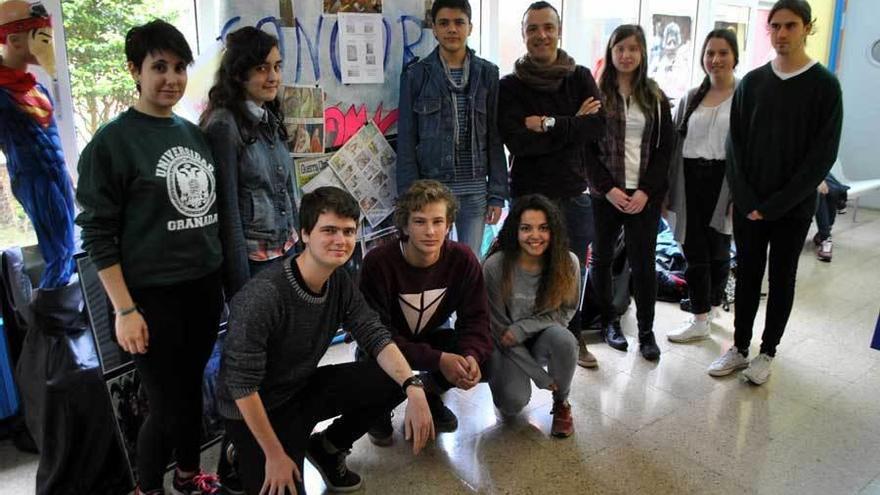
x: 857, y: 188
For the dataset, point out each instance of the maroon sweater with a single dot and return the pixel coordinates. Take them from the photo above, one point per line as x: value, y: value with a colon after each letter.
x: 414, y: 301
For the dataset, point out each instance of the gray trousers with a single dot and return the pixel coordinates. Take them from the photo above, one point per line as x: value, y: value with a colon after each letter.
x: 510, y: 382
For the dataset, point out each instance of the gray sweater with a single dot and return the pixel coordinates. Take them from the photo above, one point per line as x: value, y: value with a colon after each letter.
x: 279, y: 330
x: 517, y: 313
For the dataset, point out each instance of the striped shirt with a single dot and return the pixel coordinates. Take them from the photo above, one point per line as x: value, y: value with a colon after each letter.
x: 466, y: 180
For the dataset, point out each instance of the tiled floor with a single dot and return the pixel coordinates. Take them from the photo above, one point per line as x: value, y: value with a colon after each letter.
x: 668, y: 427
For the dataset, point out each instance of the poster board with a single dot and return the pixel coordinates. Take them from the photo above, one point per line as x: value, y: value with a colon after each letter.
x: 312, y: 55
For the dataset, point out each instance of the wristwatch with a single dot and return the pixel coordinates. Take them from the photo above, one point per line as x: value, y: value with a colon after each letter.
x: 414, y: 381
x: 547, y: 123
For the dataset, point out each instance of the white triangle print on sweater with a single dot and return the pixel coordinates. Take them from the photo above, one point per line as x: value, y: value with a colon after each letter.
x: 419, y: 308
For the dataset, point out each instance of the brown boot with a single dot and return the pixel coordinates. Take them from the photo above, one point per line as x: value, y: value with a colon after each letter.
x: 563, y: 425
x: 586, y: 359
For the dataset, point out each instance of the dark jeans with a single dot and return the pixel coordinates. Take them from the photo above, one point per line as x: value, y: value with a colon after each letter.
x: 640, y: 234
x: 826, y: 213
x: 707, y: 250
x: 182, y: 320
x: 441, y: 339
x: 578, y: 212
x: 361, y: 392
x: 785, y: 239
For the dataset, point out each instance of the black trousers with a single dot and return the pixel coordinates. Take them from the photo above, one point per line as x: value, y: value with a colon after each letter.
x: 785, y: 240
x: 361, y: 392
x: 442, y: 339
x: 640, y: 234
x: 182, y: 321
x: 707, y: 250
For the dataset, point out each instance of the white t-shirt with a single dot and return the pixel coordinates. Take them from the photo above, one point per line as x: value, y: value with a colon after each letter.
x: 707, y: 131
x: 789, y: 75
x: 635, y: 127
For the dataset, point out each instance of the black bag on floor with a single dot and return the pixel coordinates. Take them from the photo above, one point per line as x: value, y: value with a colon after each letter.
x: 63, y: 395
x: 621, y: 289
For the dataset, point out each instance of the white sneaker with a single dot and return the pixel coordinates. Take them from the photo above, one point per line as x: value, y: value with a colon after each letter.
x: 691, y: 331
x: 759, y: 369
x: 731, y: 361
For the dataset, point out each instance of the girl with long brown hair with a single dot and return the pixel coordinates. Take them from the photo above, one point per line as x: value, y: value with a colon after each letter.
x: 629, y: 183
x: 533, y: 284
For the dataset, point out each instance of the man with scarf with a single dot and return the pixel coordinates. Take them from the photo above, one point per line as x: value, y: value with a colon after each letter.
x: 550, y: 118
x: 29, y: 137
x: 448, y: 124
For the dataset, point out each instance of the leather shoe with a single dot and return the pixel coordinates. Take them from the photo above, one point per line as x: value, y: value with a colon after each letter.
x: 614, y: 336
x: 648, y: 347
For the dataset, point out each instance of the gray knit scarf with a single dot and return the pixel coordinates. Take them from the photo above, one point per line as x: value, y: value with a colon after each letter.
x: 544, y: 77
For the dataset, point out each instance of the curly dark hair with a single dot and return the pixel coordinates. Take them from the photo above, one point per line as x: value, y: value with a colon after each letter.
x: 558, y: 283
x: 246, y: 48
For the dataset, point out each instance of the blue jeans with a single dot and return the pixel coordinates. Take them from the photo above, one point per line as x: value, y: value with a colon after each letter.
x: 471, y: 220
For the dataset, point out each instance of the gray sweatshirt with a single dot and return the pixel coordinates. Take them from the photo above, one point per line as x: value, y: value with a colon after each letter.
x: 517, y: 313
x: 279, y: 330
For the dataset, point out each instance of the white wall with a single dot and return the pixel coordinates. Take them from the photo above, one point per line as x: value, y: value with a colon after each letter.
x: 860, y: 81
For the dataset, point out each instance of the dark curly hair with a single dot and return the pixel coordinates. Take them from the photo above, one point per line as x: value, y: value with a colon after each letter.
x: 558, y: 283
x: 246, y: 48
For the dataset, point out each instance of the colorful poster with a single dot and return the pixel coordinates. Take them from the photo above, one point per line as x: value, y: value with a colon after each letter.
x: 357, y: 6
x: 670, y: 53
x: 366, y: 164
x: 303, y: 108
x: 360, y: 48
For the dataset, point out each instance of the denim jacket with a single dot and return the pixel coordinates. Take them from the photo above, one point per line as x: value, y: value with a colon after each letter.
x: 426, y: 125
x: 255, y: 190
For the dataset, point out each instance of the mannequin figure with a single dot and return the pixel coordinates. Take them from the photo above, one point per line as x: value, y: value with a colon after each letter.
x: 29, y: 136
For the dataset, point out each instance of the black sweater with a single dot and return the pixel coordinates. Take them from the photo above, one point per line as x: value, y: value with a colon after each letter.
x: 552, y: 163
x: 783, y: 140
x: 279, y: 330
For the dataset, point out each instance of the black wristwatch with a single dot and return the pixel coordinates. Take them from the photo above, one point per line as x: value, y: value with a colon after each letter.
x: 414, y: 380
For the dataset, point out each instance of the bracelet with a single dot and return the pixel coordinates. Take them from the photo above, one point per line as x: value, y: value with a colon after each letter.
x: 127, y: 311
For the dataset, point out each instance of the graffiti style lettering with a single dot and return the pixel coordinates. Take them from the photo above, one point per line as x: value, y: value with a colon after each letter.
x: 342, y: 126
x: 278, y: 32
x: 313, y: 49
x: 408, y: 53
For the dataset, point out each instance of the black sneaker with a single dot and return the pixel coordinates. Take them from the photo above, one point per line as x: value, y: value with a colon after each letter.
x: 227, y: 470
x: 613, y: 335
x: 201, y: 483
x: 382, y: 432
x: 648, y: 347
x: 332, y: 466
x: 444, y: 419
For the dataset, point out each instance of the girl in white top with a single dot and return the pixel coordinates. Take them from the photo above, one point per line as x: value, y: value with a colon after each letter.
x: 699, y: 196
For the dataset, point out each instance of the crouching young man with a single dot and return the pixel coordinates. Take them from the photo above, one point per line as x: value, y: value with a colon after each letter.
x: 272, y: 391
x: 416, y: 286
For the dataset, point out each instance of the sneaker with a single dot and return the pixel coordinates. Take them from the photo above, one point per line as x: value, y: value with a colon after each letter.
x: 563, y: 425
x: 691, y: 331
x: 227, y: 471
x: 613, y: 335
x: 444, y: 419
x: 382, y: 432
x: 731, y: 361
x: 759, y: 369
x: 648, y: 346
x: 201, y: 483
x: 824, y: 251
x: 817, y: 240
x: 332, y: 466
x: 586, y: 359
